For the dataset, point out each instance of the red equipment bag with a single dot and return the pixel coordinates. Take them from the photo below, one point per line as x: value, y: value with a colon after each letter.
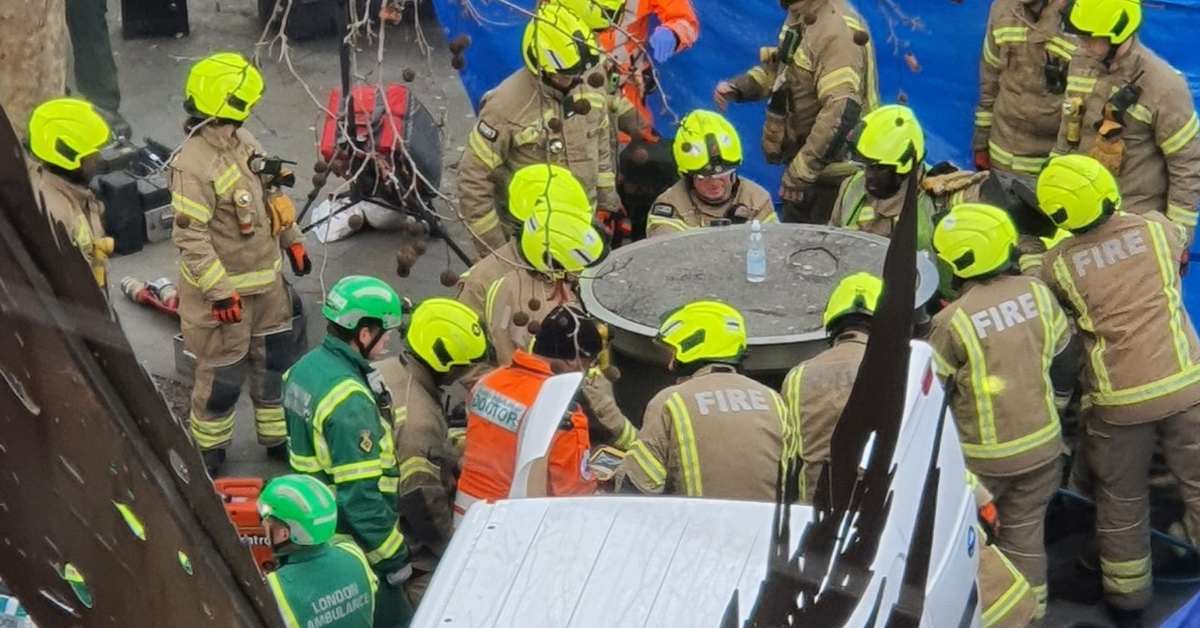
x: 396, y: 122
x: 240, y: 496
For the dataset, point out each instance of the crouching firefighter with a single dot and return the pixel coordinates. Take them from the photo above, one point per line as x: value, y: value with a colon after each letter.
x: 234, y: 309
x: 708, y: 152
x: 444, y: 338
x: 339, y: 429
x: 320, y: 581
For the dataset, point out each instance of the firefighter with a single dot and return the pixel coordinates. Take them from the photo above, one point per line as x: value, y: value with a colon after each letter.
x: 339, y: 429
x: 234, y: 309
x: 319, y: 582
x: 543, y: 113
x: 443, y: 335
x: 716, y: 433
x: 555, y: 247
x: 1022, y: 79
x: 828, y: 80
x: 890, y: 145
x: 707, y: 154
x: 66, y: 135
x: 817, y: 389
x: 1131, y: 111
x: 568, y: 341
x: 1005, y: 597
x: 996, y: 344
x: 1119, y: 275
x: 534, y: 186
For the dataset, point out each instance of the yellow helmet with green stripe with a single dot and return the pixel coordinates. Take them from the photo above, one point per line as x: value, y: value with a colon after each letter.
x: 708, y: 330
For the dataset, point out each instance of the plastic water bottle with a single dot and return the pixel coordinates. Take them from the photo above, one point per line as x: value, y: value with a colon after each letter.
x: 756, y: 255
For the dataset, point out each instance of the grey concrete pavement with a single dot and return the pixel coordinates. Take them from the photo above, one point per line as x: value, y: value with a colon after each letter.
x: 286, y: 121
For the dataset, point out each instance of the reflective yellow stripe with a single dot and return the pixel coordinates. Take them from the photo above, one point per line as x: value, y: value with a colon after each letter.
x: 627, y: 438
x: 490, y: 300
x: 785, y: 428
x: 1028, y: 165
x: 983, y: 119
x: 852, y: 22
x: 649, y: 464
x: 484, y: 223
x: 942, y: 367
x: 285, y: 609
x: 989, y: 56
x: 213, y: 433
x: 483, y: 151
x: 1041, y: 592
x: 303, y: 464
x: 980, y: 383
x: 1140, y: 112
x: 354, y: 550
x: 269, y: 422
x: 1029, y: 262
x: 1168, y: 271
x: 257, y: 278
x: 759, y: 75
x: 389, y: 484
x: 1125, y: 577
x: 226, y: 180
x: 418, y: 464
x: 400, y: 416
x: 332, y: 399
x: 388, y: 548
x: 1004, y: 605
x: 791, y: 388
x: 209, y: 278
x: 190, y: 208
x: 1052, y: 330
x: 1080, y: 84
x: 670, y: 223
x: 355, y: 471
x: 1176, y: 142
x: 606, y: 180
x: 1047, y: 433
x: 685, y: 437
x: 1096, y: 356
x: 842, y: 76
x: 1011, y: 34
x: 866, y: 215
x: 1062, y: 47
x: 1182, y: 215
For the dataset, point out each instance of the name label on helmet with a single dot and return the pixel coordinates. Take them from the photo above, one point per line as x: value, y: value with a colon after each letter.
x: 731, y: 400
x: 491, y: 406
x: 1108, y: 252
x: 1005, y: 315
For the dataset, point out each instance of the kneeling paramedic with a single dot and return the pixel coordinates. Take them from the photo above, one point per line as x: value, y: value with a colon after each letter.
x: 1119, y: 274
x: 66, y: 135
x: 339, y: 418
x: 231, y: 221
x: 996, y: 343
x: 816, y: 390
x: 568, y: 341
x: 320, y: 581
x: 716, y: 433
x: 709, y: 191
x: 443, y: 338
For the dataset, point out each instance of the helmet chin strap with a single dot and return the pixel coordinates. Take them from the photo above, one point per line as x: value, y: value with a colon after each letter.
x: 366, y: 350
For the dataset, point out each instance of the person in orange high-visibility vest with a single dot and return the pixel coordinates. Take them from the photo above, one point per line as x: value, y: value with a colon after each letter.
x: 568, y: 341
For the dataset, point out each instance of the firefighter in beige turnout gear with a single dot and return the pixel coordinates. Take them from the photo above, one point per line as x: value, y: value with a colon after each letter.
x: 443, y: 337
x: 708, y: 152
x: 544, y: 113
x: 817, y: 389
x: 65, y: 136
x: 818, y: 81
x: 996, y: 343
x: 1119, y: 274
x: 533, y: 189
x: 1022, y: 79
x: 1132, y: 111
x: 234, y: 309
x: 1005, y: 596
x: 717, y: 433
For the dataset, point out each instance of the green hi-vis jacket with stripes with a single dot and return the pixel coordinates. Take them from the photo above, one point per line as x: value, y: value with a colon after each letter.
x: 329, y: 585
x: 337, y: 434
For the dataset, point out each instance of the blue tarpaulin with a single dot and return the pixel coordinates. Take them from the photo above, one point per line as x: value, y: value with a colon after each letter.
x: 1186, y: 617
x: 944, y: 37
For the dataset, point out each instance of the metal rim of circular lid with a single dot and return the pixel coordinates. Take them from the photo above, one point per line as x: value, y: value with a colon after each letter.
x: 926, y: 288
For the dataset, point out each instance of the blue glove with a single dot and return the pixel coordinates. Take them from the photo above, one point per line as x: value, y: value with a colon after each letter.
x: 662, y: 44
